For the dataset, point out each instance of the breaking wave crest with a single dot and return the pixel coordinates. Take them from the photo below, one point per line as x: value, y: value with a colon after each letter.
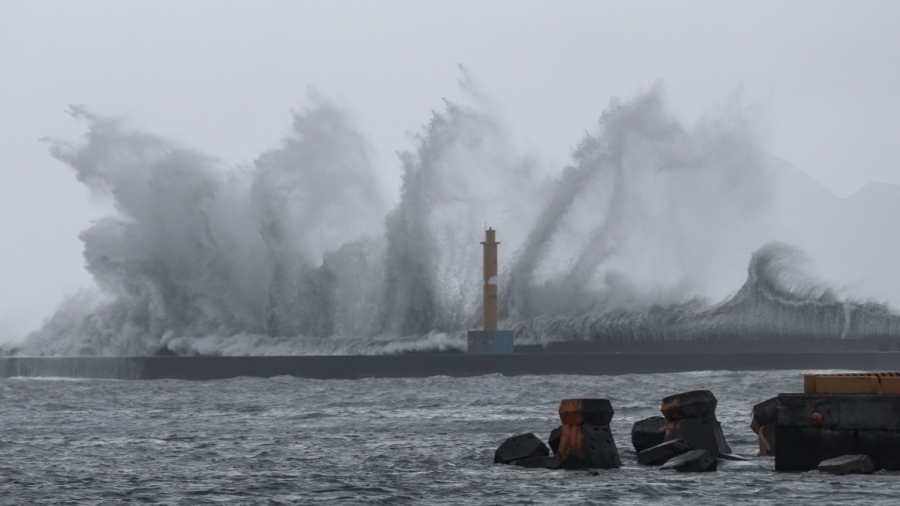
x: 778, y: 300
x: 299, y: 253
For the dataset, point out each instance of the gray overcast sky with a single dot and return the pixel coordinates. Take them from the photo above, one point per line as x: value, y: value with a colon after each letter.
x: 223, y: 75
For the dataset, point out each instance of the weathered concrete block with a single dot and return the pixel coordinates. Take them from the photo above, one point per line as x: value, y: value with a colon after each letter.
x: 704, y: 433
x: 763, y: 420
x: 689, y: 405
x: 766, y: 436
x: 816, y: 427
x: 553, y: 441
x: 523, y: 446
x: 847, y: 464
x: 661, y: 453
x: 764, y: 413
x: 538, y: 463
x: 648, y: 432
x: 587, y: 446
x: 590, y: 411
x: 694, y: 461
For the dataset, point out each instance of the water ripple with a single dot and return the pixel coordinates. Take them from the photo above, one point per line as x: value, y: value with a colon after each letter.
x: 390, y: 441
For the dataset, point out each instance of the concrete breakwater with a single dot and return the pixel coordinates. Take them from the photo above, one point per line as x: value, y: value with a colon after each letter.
x: 836, y: 433
x: 424, y: 365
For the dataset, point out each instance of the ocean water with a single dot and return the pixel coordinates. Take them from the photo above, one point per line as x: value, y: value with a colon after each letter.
x: 383, y: 441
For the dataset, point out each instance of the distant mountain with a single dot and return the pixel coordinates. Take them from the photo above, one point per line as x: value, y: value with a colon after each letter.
x: 853, y: 244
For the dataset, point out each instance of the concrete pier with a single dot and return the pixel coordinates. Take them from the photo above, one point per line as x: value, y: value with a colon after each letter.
x: 816, y: 427
x: 424, y: 365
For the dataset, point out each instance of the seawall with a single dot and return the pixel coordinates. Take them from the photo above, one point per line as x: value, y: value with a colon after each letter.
x: 422, y: 365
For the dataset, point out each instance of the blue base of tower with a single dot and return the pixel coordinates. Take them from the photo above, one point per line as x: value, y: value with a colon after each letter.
x: 491, y: 342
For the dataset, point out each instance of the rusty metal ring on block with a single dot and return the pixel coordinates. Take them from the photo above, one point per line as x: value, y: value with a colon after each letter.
x: 817, y: 419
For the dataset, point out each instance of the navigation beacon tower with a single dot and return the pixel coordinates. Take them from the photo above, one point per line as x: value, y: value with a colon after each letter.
x: 490, y: 341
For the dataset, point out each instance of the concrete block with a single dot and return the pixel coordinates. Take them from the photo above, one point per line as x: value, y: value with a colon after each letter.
x: 702, y: 432
x: 815, y: 427
x: 763, y: 419
x: 538, y: 463
x: 590, y: 411
x: 766, y: 437
x: 847, y: 464
x: 587, y: 446
x: 844, y: 411
x: 764, y: 412
x: 661, y: 453
x: 553, y: 441
x: 841, y: 384
x: 689, y: 405
x: 694, y: 461
x: 523, y: 446
x: 648, y: 432
x: 890, y: 385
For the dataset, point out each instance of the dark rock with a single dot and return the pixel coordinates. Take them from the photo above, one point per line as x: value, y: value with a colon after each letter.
x: 538, y: 463
x: 648, y: 432
x: 848, y: 424
x: 661, y: 453
x: 694, y: 461
x: 523, y: 446
x: 689, y: 405
x: 587, y: 446
x: 703, y: 433
x: 590, y: 411
x: 847, y: 464
x: 553, y: 442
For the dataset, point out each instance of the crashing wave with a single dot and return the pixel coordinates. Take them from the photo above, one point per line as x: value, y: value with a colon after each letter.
x: 778, y: 300
x: 298, y: 252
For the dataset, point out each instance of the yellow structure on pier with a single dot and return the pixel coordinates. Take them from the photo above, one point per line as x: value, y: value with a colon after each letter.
x: 489, y: 340
x: 490, y: 279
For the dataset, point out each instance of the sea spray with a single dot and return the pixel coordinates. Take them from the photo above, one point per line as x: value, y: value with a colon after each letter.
x: 298, y: 253
x: 650, y: 212
x: 198, y: 249
x: 462, y: 176
x: 779, y: 299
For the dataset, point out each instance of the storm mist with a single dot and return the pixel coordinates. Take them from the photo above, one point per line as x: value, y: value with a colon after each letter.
x: 653, y: 230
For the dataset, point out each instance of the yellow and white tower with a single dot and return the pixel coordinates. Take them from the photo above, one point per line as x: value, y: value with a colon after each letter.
x: 490, y: 279
x: 489, y: 340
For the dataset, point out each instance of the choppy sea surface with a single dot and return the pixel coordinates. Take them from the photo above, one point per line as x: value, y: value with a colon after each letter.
x: 384, y: 441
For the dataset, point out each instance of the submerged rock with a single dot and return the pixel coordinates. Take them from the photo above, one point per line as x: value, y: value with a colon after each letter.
x: 694, y: 461
x: 648, y: 432
x: 523, y: 446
